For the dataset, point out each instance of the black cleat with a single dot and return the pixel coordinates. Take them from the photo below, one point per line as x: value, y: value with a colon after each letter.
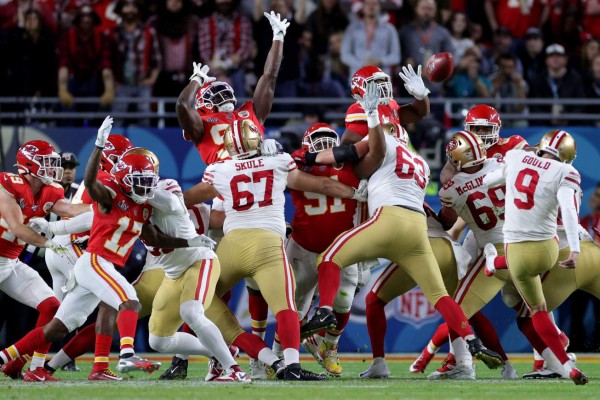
x: 490, y: 358
x: 543, y: 373
x: 71, y: 367
x: 293, y: 372
x: 176, y: 371
x: 323, y: 319
x: 279, y: 369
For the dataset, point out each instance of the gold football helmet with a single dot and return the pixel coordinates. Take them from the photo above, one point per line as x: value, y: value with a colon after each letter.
x: 465, y: 149
x: 560, y: 144
x: 147, y: 153
x: 242, y: 139
x: 397, y: 131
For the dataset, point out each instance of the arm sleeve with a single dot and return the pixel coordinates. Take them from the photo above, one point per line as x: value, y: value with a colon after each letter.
x: 78, y: 224
x: 495, y: 178
x: 568, y: 200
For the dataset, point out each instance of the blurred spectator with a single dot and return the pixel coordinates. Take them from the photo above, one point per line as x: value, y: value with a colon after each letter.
x: 592, y: 88
x: 30, y: 48
x: 557, y: 82
x: 468, y: 81
x: 370, y: 41
x: 12, y: 13
x: 592, y: 220
x: 301, y: 9
x: 589, y: 50
x: 532, y: 54
x: 423, y: 38
x: 289, y: 72
x: 136, y: 58
x: 507, y: 82
x: 503, y: 44
x: 225, y: 42
x: 335, y: 69
x: 177, y: 30
x: 458, y: 25
x: 328, y: 18
x: 591, y: 17
x: 84, y: 61
x: 517, y: 16
x: 564, y: 22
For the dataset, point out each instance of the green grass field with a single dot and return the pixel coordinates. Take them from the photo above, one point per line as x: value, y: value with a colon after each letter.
x: 402, y: 385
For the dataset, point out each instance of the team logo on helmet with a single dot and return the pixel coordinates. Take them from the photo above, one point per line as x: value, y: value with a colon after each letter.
x: 453, y: 144
x: 30, y: 150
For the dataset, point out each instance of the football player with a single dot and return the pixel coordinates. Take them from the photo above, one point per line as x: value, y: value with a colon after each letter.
x: 388, y: 110
x: 32, y: 192
x: 397, y: 182
x: 536, y: 185
x: 252, y: 186
x: 120, y: 215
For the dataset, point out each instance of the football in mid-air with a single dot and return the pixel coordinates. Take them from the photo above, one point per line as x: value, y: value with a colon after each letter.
x: 439, y: 67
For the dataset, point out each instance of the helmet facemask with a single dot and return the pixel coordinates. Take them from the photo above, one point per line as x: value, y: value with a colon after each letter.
x: 218, y: 97
x: 50, y: 168
x: 143, y: 184
x: 384, y: 83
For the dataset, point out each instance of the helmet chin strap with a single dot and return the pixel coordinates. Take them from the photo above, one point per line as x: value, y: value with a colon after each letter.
x: 227, y: 107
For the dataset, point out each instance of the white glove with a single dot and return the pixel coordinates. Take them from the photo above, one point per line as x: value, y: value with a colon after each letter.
x: 369, y: 102
x: 413, y: 82
x: 103, y: 132
x: 270, y: 148
x: 279, y: 27
x: 62, y: 251
x: 39, y: 225
x: 360, y: 194
x: 201, y: 241
x: 200, y: 74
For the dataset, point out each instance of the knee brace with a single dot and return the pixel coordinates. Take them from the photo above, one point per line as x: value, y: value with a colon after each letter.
x: 191, y: 311
x: 345, y: 295
x: 510, y: 296
x: 161, y: 344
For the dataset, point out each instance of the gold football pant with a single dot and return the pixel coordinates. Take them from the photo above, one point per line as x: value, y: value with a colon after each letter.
x: 198, y: 282
x: 526, y: 261
x: 146, y: 286
x: 395, y: 281
x: 399, y: 235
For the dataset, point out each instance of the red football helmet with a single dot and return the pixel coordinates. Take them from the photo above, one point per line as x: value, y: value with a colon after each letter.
x: 136, y: 176
x: 38, y: 158
x: 212, y: 96
x: 484, y: 121
x: 368, y: 74
x: 319, y: 137
x: 116, y: 146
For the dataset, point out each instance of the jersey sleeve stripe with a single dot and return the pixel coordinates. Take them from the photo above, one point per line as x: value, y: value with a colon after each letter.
x: 356, y: 117
x: 572, y: 180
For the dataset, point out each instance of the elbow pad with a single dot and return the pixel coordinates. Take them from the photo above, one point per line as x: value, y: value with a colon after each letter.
x: 345, y: 153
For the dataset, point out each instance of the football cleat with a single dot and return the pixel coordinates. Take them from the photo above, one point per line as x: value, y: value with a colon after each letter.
x: 40, y: 374
x: 323, y: 319
x: 311, y: 345
x: 14, y: 368
x: 176, y: 371
x: 258, y: 370
x: 508, y: 371
x: 233, y: 375
x: 293, y: 372
x: 543, y: 373
x: 448, y: 364
x: 538, y: 365
x: 420, y: 364
x: 377, y: 370
x: 70, y: 367
x: 104, y: 375
x: 329, y: 354
x: 578, y: 377
x: 135, y: 363
x: 215, y: 369
x: 276, y: 370
x: 460, y: 372
x: 482, y: 353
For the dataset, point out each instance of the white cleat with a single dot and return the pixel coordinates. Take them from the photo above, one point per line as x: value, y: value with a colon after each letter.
x: 572, y: 357
x: 508, y: 371
x: 378, y: 369
x: 135, y: 363
x: 257, y: 370
x: 459, y: 372
x: 311, y: 345
x: 543, y: 373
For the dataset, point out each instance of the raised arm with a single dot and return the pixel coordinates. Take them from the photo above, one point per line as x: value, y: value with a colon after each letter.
x: 374, y: 157
x: 265, y: 88
x: 188, y: 117
x: 413, y: 83
x: 97, y: 191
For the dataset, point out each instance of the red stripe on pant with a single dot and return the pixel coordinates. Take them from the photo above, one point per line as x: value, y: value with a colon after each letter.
x: 203, y: 280
x: 289, y: 282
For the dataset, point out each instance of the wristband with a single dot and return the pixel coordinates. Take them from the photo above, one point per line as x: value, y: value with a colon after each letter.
x: 372, y: 119
x: 278, y: 36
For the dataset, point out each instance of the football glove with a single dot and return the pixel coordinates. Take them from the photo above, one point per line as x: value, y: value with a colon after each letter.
x: 202, y: 241
x: 270, y: 148
x: 61, y: 250
x: 200, y: 74
x: 103, y: 132
x: 278, y: 25
x: 413, y: 82
x: 40, y: 226
x: 360, y: 193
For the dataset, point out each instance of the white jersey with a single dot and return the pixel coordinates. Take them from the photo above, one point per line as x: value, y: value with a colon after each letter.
x: 171, y: 217
x: 532, y: 184
x: 563, y: 243
x: 252, y: 191
x: 480, y: 206
x: 400, y: 180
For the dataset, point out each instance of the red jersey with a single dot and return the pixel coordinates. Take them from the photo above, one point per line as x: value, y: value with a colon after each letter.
x: 212, y: 147
x: 589, y: 222
x: 319, y: 219
x: 356, y: 119
x: 31, y: 207
x: 113, y: 234
x: 517, y: 15
x: 500, y: 148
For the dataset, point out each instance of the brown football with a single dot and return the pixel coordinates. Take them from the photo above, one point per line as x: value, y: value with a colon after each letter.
x: 439, y: 67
